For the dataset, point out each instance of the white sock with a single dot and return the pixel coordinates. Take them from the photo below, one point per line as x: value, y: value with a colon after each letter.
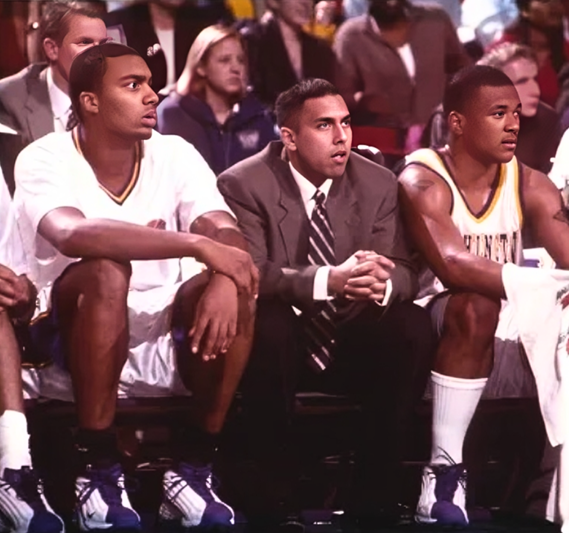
x: 454, y: 404
x: 14, y: 441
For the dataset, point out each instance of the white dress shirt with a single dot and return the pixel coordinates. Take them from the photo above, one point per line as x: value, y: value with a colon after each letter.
x: 60, y: 104
x: 307, y: 192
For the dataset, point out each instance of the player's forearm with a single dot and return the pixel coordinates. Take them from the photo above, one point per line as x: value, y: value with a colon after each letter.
x: 467, y: 272
x: 121, y: 241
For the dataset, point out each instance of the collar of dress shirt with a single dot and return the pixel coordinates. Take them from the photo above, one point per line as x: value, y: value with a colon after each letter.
x: 307, y: 189
x: 374, y: 25
x: 60, y: 101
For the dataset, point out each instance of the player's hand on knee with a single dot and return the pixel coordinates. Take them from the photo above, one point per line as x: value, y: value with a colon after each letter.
x: 215, y: 325
x: 235, y: 264
x: 368, y: 280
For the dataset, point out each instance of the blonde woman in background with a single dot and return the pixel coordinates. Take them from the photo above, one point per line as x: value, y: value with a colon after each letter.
x: 210, y: 106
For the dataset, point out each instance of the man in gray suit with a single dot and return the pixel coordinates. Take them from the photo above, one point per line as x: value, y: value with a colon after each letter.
x: 336, y: 284
x: 35, y: 101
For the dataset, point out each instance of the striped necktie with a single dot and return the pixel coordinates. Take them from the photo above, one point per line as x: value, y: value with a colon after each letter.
x: 320, y: 328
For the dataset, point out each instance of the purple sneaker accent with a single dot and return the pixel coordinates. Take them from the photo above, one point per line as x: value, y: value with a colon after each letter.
x: 190, y: 500
x: 443, y: 496
x: 102, y: 502
x: 23, y: 507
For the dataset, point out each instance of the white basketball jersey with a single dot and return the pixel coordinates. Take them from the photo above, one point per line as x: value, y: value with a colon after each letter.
x: 495, y: 232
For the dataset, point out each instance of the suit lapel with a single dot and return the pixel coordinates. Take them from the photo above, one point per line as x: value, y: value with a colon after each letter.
x: 342, y: 207
x: 39, y: 116
x: 292, y: 219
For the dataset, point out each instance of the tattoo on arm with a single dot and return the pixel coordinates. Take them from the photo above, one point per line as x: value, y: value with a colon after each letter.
x: 561, y: 215
x: 423, y: 184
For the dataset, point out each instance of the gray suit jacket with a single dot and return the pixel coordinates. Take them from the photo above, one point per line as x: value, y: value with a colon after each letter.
x: 363, y: 211
x: 24, y: 103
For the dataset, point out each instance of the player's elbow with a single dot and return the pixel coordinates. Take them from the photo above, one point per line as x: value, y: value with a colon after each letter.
x: 66, y: 241
x: 451, y: 274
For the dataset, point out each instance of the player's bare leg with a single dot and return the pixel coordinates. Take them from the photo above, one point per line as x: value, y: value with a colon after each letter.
x: 463, y: 363
x: 21, y: 510
x: 91, y: 303
x: 213, y: 384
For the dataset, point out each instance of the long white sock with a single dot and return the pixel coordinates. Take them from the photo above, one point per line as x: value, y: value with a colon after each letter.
x: 14, y: 441
x: 454, y: 404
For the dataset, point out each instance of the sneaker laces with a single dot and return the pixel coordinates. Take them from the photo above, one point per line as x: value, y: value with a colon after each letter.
x: 448, y: 477
x: 200, y: 480
x: 26, y: 484
x: 107, y: 481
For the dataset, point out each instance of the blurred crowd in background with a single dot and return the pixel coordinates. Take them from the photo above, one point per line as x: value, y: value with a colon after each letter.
x: 389, y: 58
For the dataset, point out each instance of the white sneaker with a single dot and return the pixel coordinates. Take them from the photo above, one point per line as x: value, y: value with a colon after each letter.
x: 189, y: 499
x: 23, y: 507
x: 443, y: 496
x: 102, y: 501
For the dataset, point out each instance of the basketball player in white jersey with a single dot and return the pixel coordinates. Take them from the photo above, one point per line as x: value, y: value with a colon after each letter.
x: 106, y: 212
x: 465, y: 207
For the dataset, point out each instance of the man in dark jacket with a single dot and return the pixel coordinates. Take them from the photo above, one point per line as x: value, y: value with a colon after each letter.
x: 162, y: 31
x: 281, y: 53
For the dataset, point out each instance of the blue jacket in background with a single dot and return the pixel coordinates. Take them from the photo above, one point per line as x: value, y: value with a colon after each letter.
x: 247, y: 131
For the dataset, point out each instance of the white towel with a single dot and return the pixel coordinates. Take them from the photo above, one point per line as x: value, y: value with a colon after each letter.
x: 540, y: 306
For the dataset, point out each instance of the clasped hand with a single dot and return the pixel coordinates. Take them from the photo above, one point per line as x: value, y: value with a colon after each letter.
x: 363, y: 276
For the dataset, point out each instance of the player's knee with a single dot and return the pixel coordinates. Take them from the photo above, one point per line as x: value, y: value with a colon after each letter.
x: 109, y: 280
x: 474, y: 316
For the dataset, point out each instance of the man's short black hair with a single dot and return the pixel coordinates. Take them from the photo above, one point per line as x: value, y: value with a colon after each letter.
x: 290, y: 102
x: 88, y: 69
x: 463, y: 86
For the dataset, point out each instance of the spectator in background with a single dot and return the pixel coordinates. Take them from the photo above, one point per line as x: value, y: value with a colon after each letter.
x: 540, y: 26
x: 281, y: 53
x: 323, y: 24
x: 392, y: 69
x: 162, y: 32
x: 488, y: 18
x: 35, y: 101
x: 539, y: 133
x: 210, y: 107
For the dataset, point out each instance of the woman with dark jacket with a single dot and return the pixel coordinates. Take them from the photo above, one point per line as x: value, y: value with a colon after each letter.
x: 210, y: 106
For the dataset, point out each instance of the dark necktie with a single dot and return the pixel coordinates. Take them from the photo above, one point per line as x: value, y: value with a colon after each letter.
x: 320, y: 328
x: 71, y: 121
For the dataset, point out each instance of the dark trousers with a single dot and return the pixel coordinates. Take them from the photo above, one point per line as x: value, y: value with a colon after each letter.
x: 382, y: 360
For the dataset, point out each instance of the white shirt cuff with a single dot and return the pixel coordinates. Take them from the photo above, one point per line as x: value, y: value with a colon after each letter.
x: 387, y: 295
x: 320, y: 290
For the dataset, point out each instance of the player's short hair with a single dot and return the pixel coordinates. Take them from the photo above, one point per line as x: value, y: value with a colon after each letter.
x: 506, y: 53
x: 88, y: 69
x: 290, y: 102
x: 56, y: 16
x: 462, y: 88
